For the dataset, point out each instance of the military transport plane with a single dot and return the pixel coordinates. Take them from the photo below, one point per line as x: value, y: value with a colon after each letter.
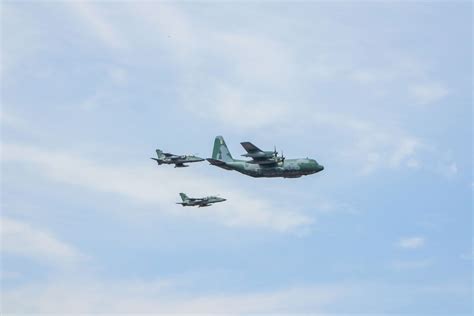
x: 178, y: 160
x: 200, y: 202
x: 263, y: 164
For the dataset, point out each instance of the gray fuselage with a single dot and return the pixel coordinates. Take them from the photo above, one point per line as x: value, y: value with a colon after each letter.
x: 290, y: 168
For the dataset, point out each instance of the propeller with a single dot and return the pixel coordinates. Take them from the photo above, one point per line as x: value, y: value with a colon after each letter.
x: 275, y: 153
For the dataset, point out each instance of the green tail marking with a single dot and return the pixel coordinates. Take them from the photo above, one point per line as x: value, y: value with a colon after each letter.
x: 220, y: 151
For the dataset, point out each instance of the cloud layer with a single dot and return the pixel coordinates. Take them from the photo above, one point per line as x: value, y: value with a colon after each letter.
x: 20, y: 238
x: 157, y: 186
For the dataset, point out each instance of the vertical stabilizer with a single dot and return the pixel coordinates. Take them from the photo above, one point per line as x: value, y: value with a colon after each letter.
x: 184, y: 197
x: 159, y: 153
x: 220, y: 151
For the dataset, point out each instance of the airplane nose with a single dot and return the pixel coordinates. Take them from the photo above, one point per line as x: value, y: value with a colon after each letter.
x: 316, y: 166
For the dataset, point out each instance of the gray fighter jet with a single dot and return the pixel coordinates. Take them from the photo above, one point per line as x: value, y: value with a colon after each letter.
x: 178, y: 160
x: 200, y: 202
x: 265, y: 164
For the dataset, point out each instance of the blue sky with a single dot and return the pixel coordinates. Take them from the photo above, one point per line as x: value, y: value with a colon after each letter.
x: 380, y: 93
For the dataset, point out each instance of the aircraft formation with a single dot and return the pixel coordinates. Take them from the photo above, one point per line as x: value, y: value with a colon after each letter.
x: 263, y: 164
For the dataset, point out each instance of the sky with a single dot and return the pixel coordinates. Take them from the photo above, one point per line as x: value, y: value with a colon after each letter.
x: 380, y: 93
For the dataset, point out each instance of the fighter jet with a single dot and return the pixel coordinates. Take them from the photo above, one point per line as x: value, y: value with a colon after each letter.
x: 265, y: 164
x: 200, y: 202
x: 178, y: 160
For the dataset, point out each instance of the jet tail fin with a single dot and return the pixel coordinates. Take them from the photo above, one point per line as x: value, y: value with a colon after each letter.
x: 183, y: 196
x: 159, y: 153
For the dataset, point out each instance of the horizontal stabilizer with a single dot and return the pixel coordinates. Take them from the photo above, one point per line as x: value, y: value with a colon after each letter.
x: 218, y: 163
x: 159, y: 161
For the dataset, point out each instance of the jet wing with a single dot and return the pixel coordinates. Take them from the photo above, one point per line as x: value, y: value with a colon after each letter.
x: 180, y: 165
x: 194, y: 199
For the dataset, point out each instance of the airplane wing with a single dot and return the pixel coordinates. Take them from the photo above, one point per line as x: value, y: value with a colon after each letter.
x: 258, y: 156
x: 180, y: 165
x: 250, y: 148
x: 194, y: 199
x: 204, y: 202
x: 168, y: 154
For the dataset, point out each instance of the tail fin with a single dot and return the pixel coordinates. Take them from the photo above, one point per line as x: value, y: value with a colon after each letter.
x: 159, y: 153
x: 184, y: 197
x: 220, y: 151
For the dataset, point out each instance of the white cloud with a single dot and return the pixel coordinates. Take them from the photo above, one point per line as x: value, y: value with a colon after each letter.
x: 368, y: 145
x: 429, y: 93
x: 20, y: 238
x: 372, y: 146
x: 85, y: 295
x: 405, y: 148
x: 411, y: 242
x: 235, y: 108
x: 252, y: 64
x: 255, y: 58
x: 93, y: 296
x: 143, y: 186
x: 95, y: 20
x: 246, y: 61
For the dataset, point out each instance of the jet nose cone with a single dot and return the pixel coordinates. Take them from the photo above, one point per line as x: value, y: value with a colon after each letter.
x: 321, y: 167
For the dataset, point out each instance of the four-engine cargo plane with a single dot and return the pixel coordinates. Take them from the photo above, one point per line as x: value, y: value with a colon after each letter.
x: 200, y: 202
x: 178, y: 160
x: 263, y: 164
